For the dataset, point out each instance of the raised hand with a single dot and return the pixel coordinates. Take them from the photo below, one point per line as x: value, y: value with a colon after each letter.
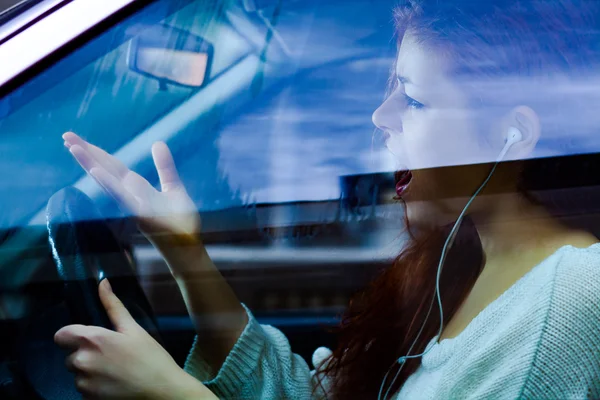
x: 169, y: 219
x: 163, y: 216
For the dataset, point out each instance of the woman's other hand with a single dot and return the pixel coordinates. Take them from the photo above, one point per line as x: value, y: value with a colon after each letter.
x: 124, y: 364
x: 167, y: 217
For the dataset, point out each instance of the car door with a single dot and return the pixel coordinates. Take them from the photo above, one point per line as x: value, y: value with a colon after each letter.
x: 283, y: 248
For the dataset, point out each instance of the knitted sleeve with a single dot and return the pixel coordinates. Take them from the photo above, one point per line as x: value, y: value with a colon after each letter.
x: 261, y: 365
x: 567, y: 361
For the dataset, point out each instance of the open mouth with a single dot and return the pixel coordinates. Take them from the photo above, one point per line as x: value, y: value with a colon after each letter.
x: 402, y: 179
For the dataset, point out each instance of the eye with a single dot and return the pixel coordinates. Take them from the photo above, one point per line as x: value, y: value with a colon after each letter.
x: 399, y: 82
x: 412, y: 103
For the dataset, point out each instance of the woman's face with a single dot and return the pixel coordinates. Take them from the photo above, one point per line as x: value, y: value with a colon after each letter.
x: 428, y: 126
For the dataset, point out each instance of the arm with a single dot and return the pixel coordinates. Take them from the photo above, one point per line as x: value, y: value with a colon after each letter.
x: 170, y: 220
x: 233, y: 354
x: 261, y: 365
x: 252, y: 361
x: 217, y: 314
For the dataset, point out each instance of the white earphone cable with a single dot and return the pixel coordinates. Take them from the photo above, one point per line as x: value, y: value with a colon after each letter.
x: 447, y: 244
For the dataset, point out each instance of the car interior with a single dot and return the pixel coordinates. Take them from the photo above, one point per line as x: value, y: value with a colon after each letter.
x: 281, y: 248
x: 266, y: 106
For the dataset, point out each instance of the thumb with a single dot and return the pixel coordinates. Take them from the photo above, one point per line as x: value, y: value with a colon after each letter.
x: 117, y: 313
x: 165, y: 167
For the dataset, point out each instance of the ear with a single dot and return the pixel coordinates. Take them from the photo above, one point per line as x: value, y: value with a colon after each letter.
x: 527, y: 121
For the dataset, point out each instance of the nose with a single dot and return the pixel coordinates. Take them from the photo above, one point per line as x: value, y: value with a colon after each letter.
x: 387, y: 116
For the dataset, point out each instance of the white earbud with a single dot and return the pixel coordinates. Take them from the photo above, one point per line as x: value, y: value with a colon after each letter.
x: 513, y: 136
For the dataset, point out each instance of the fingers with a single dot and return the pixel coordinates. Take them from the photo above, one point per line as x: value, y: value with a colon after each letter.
x: 74, y: 337
x: 112, y: 164
x: 70, y: 337
x: 83, y: 157
x: 80, y: 361
x: 138, y: 186
x: 71, y: 138
x: 118, y: 314
x: 165, y: 166
x: 129, y: 189
x: 116, y: 189
x: 73, y: 363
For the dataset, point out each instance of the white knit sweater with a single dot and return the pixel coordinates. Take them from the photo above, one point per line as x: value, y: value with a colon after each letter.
x: 539, y: 340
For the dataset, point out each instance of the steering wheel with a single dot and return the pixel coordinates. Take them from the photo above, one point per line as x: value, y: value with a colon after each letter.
x: 85, y: 251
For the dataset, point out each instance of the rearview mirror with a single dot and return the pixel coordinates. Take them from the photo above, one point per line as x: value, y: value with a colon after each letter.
x: 171, y: 55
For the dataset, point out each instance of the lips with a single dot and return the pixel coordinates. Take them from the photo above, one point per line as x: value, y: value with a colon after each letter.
x: 403, y: 179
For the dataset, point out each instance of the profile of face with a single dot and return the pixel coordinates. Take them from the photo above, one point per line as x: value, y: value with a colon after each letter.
x: 433, y: 131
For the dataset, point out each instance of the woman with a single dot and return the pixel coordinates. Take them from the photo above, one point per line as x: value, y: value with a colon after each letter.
x: 519, y: 289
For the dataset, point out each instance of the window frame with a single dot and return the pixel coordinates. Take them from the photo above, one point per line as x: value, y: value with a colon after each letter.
x: 47, y: 44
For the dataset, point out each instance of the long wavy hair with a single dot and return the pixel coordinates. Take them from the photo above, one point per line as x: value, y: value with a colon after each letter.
x: 491, y: 38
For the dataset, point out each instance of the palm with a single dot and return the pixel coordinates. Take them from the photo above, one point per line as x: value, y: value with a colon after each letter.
x: 169, y: 211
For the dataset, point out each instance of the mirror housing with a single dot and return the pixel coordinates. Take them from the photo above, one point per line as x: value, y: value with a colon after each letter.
x: 171, y: 55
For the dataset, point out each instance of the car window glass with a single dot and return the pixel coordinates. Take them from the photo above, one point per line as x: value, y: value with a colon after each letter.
x: 340, y: 162
x: 85, y: 85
